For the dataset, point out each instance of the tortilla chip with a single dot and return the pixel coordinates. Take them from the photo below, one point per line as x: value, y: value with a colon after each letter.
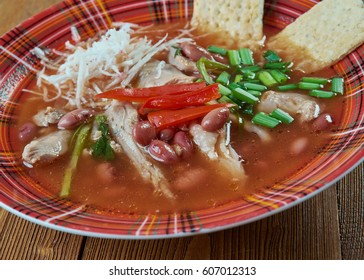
x: 242, y: 20
x: 323, y: 35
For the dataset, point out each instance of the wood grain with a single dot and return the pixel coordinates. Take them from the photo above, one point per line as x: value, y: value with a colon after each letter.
x: 351, y: 214
x: 328, y: 226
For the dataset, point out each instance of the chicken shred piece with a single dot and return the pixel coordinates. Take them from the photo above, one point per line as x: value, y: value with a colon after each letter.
x: 122, y: 118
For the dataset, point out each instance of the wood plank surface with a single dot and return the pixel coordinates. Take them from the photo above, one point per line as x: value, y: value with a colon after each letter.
x: 328, y: 226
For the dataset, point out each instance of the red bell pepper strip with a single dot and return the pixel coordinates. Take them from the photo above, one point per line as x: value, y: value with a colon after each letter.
x: 188, y: 99
x: 167, y: 118
x: 142, y: 94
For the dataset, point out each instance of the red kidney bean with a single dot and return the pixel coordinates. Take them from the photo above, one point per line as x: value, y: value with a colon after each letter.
x: 166, y: 134
x: 27, y: 132
x: 162, y: 152
x: 215, y: 119
x: 74, y: 118
x: 194, y: 51
x: 322, y: 122
x: 220, y: 58
x: 106, y: 172
x: 181, y: 139
x: 144, y: 132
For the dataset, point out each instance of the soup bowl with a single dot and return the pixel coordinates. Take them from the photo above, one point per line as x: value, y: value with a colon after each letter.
x: 23, y: 196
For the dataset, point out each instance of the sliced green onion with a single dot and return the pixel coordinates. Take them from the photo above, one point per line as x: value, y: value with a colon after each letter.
x: 225, y: 99
x: 265, y: 120
x: 246, y: 56
x: 287, y: 87
x: 271, y: 56
x: 238, y: 78
x: 279, y: 76
x: 266, y: 78
x: 245, y: 96
x: 277, y: 65
x: 214, y: 64
x: 215, y: 49
x: 255, y: 93
x: 81, y: 136
x: 281, y: 115
x: 224, y: 90
x: 255, y: 81
x: 254, y: 68
x: 202, y: 69
x: 308, y: 86
x: 321, y: 81
x: 233, y: 86
x: 199, y: 80
x: 249, y: 75
x: 223, y: 78
x: 321, y: 93
x: 234, y: 57
x: 337, y: 85
x: 253, y: 86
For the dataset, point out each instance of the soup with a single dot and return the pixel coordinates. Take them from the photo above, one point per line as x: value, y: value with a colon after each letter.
x: 210, y: 153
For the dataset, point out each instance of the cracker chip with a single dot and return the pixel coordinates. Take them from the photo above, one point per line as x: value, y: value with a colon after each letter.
x: 241, y: 19
x: 323, y: 35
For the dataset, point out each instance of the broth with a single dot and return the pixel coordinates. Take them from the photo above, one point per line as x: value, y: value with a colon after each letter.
x: 264, y: 163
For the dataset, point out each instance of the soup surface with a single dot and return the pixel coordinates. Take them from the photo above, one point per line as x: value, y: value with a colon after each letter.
x: 204, y: 182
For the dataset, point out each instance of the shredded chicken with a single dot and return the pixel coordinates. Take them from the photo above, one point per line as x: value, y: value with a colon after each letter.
x: 168, y: 75
x: 48, y: 116
x: 47, y: 148
x: 213, y: 145
x: 293, y: 103
x: 122, y: 118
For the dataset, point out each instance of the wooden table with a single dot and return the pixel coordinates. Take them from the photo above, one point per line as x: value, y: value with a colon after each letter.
x: 328, y: 226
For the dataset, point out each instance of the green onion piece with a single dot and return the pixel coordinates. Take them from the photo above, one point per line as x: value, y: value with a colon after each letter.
x: 321, y: 93
x: 233, y: 86
x: 287, y: 87
x: 238, y: 78
x: 255, y: 93
x: 308, y: 86
x: 214, y: 64
x: 265, y: 120
x: 199, y: 80
x: 281, y: 115
x: 246, y: 56
x: 249, y: 76
x: 266, y: 78
x: 202, y: 69
x: 277, y: 65
x: 223, y: 90
x: 254, y: 68
x: 253, y: 86
x: 81, y: 136
x: 337, y: 85
x: 215, y: 49
x: 225, y: 99
x: 255, y: 81
x: 321, y: 81
x: 245, y: 96
x: 234, y: 57
x: 223, y: 78
x: 271, y: 56
x: 279, y: 76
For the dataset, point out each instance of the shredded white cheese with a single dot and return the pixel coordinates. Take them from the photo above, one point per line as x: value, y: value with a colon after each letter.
x: 88, y: 68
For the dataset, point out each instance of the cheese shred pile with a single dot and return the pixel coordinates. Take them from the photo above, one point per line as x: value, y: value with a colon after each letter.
x: 88, y: 68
